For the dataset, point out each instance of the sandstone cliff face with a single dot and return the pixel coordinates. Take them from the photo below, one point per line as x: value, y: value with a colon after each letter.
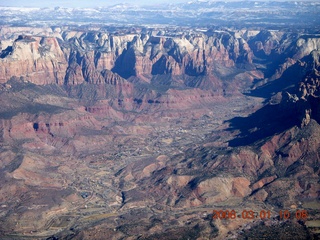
x: 75, y: 57
x: 191, y: 55
x: 206, y: 59
x: 37, y: 59
x: 289, y: 54
x: 266, y: 43
x: 304, y: 98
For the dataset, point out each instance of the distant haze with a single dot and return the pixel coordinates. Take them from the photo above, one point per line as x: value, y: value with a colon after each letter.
x: 76, y: 3
x: 96, y: 3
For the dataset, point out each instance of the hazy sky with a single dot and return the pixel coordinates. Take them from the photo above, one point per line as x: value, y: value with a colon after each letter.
x: 79, y: 3
x: 91, y: 3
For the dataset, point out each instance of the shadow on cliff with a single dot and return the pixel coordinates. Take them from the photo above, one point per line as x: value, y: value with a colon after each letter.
x: 266, y: 122
x: 287, y: 81
x: 274, y: 119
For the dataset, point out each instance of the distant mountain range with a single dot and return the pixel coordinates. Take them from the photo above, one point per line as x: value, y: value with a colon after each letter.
x: 200, y: 13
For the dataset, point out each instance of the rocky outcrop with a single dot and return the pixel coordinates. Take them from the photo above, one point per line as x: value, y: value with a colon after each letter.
x: 37, y: 59
x: 304, y: 99
x: 77, y: 57
x: 204, y: 60
x: 291, y: 59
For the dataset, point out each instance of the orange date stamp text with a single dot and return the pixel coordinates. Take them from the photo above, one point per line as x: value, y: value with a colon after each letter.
x: 263, y: 214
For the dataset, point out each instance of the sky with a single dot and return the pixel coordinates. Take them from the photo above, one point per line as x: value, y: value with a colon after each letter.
x: 90, y: 3
x: 78, y: 3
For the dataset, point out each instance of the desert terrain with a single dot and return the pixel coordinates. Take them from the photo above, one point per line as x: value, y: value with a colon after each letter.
x: 147, y: 132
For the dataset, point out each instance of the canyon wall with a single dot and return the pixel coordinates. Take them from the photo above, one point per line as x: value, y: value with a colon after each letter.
x: 71, y: 57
